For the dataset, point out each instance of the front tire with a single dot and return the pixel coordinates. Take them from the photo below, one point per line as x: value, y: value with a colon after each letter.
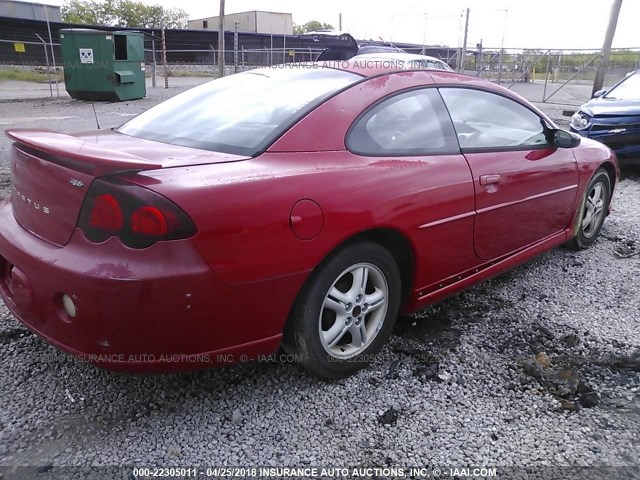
x: 346, y: 311
x: 593, y: 211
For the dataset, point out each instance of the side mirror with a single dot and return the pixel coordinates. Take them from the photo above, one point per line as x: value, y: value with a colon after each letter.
x: 599, y: 93
x: 564, y: 139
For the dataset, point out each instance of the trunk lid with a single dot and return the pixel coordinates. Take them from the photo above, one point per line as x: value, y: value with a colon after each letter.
x: 166, y: 154
x: 52, y: 172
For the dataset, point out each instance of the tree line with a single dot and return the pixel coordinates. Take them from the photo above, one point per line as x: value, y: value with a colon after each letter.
x: 131, y: 13
x: 123, y: 13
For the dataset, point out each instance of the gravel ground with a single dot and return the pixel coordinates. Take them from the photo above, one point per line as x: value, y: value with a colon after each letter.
x: 539, y: 366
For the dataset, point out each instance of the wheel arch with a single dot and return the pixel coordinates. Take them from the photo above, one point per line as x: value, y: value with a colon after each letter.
x: 394, y: 241
x: 398, y: 245
x: 611, y: 171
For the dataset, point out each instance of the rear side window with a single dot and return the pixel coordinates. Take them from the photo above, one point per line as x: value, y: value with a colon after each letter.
x: 411, y: 123
x: 485, y: 120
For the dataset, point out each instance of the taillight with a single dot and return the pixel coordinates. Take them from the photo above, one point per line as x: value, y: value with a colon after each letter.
x: 149, y: 221
x: 106, y: 214
x: 138, y: 216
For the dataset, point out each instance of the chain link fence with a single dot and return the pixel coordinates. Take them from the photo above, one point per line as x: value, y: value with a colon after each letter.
x: 205, y: 62
x: 555, y: 69
x: 551, y: 75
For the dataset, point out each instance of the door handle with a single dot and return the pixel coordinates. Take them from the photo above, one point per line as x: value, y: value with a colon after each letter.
x: 489, y: 179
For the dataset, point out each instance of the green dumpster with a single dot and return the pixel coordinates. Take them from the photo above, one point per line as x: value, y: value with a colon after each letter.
x: 103, y: 65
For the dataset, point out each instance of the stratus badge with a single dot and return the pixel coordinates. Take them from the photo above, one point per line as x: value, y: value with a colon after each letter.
x: 32, y: 203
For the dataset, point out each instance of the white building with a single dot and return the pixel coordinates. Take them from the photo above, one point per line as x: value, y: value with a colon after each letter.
x: 254, y: 21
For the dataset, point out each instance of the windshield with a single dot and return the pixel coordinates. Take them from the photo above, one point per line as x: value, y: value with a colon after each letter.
x: 240, y: 114
x: 629, y: 89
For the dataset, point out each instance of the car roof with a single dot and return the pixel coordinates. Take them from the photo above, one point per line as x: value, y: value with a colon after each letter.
x: 398, y: 56
x: 379, y: 69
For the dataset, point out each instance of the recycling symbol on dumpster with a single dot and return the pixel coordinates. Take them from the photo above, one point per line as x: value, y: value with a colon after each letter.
x: 86, y: 55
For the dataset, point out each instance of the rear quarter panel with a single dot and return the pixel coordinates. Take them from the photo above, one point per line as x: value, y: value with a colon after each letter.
x: 242, y: 210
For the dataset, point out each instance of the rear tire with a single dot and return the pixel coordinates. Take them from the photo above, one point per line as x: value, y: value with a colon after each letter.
x: 592, y: 211
x: 345, y: 312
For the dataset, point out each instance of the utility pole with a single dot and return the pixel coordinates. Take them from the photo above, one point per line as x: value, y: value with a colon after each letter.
x: 284, y: 43
x: 424, y: 35
x: 53, y: 55
x: 164, y: 58
x: 481, y: 57
x: 221, y: 40
x: 605, y: 55
x: 463, y: 53
x: 235, y: 46
x: 504, y: 30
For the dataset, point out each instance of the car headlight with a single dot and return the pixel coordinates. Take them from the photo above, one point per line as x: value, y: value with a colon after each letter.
x: 580, y: 121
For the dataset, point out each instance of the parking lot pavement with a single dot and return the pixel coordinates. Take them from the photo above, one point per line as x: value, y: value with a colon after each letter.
x: 537, y: 366
x: 18, y: 90
x: 572, y: 94
x: 562, y: 100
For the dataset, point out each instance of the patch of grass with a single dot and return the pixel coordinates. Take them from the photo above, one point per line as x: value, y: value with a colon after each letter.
x: 28, y: 75
x: 179, y: 72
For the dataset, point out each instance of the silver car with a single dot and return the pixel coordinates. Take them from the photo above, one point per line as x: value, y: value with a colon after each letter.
x: 405, y: 61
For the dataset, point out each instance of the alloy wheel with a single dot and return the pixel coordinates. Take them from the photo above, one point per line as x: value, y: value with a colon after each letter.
x: 593, y: 210
x: 353, y: 311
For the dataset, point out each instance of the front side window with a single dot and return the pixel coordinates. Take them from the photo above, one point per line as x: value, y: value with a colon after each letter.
x: 411, y: 123
x: 485, y: 120
x: 239, y: 114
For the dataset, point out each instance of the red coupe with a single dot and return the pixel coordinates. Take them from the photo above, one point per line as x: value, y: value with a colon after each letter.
x: 300, y: 206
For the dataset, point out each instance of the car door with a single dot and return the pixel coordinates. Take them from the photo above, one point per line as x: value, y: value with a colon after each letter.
x: 524, y: 185
x: 411, y: 133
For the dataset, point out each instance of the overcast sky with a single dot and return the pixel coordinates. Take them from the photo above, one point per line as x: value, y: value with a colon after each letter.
x: 531, y: 23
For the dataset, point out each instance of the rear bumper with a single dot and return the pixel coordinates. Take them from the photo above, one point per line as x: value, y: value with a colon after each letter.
x: 151, y: 310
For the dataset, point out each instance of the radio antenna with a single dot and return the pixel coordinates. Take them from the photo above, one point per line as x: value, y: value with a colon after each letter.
x: 93, y: 105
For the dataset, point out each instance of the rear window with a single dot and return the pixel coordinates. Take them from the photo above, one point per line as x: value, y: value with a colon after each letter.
x: 240, y: 114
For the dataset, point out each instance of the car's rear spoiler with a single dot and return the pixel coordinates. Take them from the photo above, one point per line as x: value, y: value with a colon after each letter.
x: 78, y: 154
